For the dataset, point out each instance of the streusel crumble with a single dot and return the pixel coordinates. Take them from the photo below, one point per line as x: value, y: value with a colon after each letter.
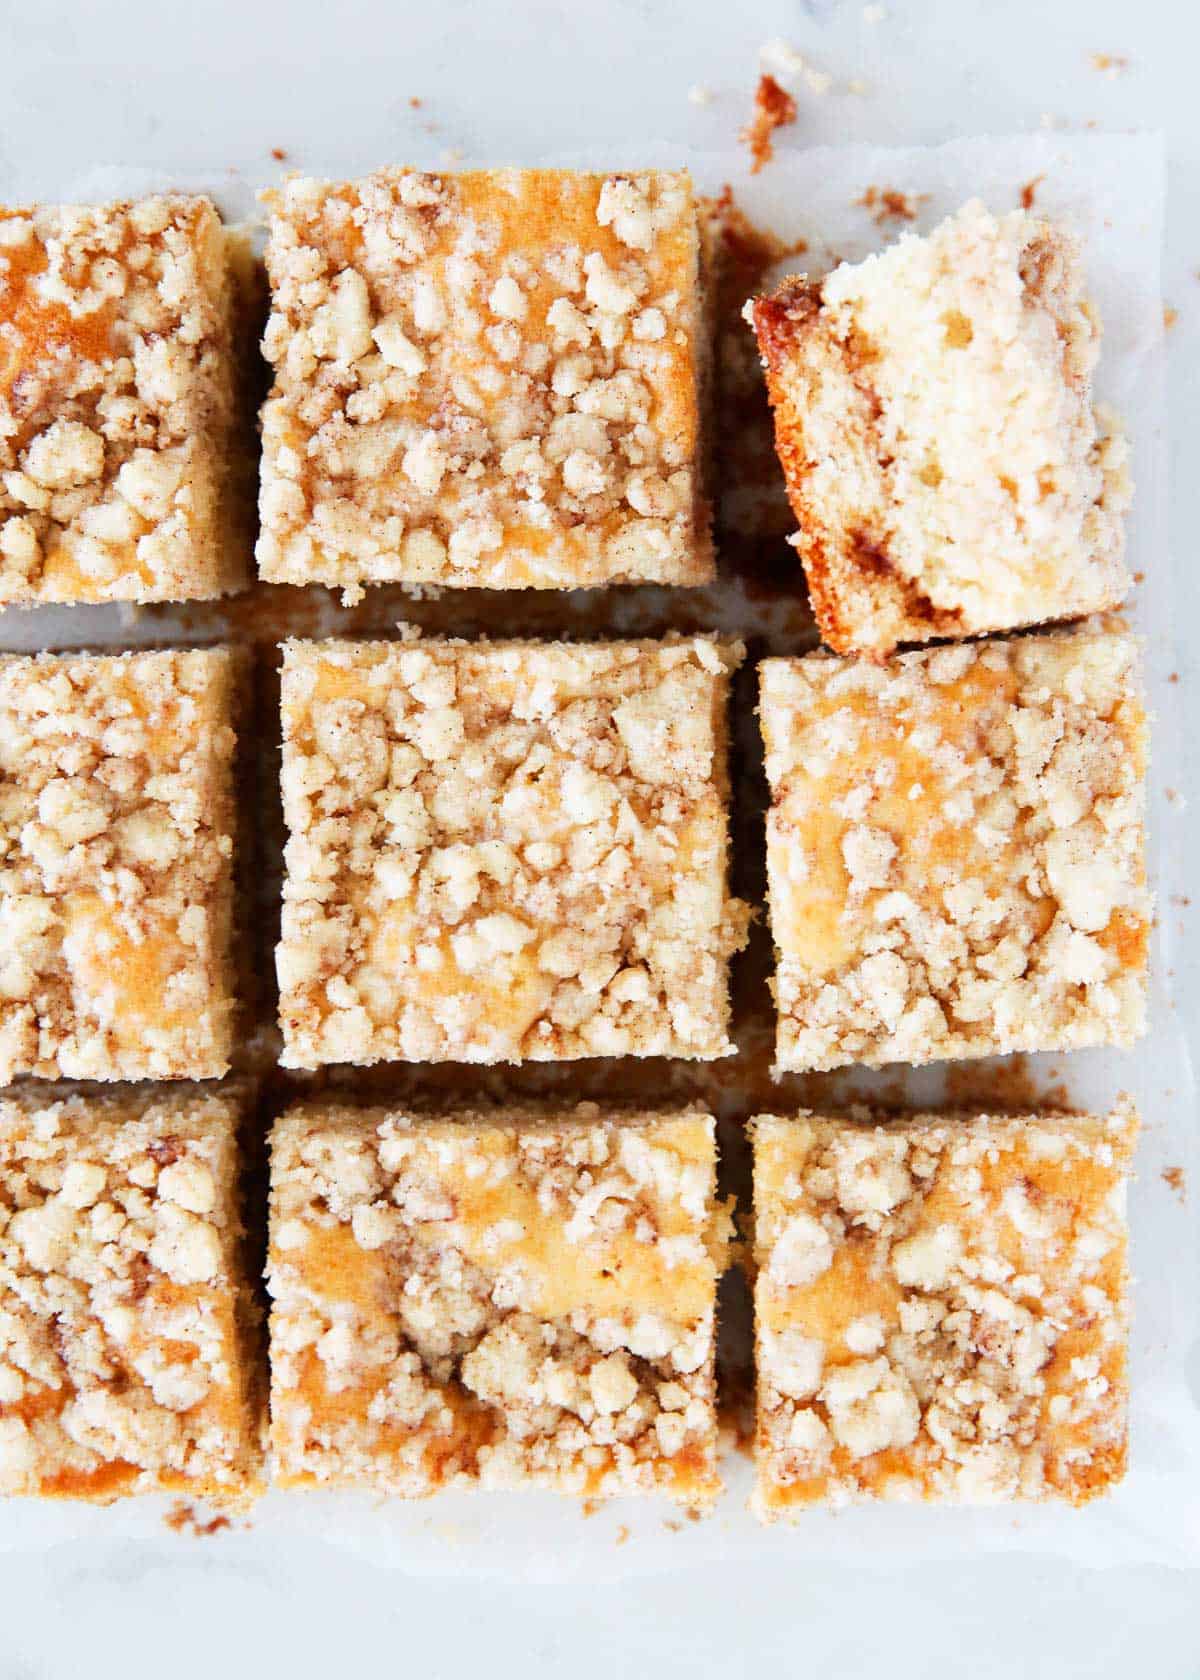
x: 934, y: 417
x: 125, y: 468
x: 507, y: 1298
x: 505, y: 851
x: 116, y: 865
x: 955, y: 850
x: 129, y: 1331
x: 495, y: 378
x: 941, y: 1307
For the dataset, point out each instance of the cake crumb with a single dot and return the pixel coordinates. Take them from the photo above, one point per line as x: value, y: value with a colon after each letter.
x: 415, y: 103
x: 700, y: 95
x: 1170, y: 316
x: 622, y: 1534
x: 1111, y: 65
x: 1029, y: 191
x: 279, y: 154
x: 1175, y: 1180
x: 774, y: 108
x: 886, y: 205
x: 185, y: 1519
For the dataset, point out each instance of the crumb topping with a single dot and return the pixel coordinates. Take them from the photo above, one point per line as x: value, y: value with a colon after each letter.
x: 955, y: 850
x: 502, y: 1298
x: 774, y: 108
x: 118, y: 403
x: 912, y: 527
x: 941, y: 1308
x: 116, y: 846
x: 492, y: 378
x: 126, y: 1318
x: 505, y: 851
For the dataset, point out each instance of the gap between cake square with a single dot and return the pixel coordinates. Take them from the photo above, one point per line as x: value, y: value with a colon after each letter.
x: 506, y: 851
x: 941, y: 1307
x: 498, y: 378
x: 503, y: 1297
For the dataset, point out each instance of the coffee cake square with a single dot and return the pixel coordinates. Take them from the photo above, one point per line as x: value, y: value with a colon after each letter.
x: 125, y: 453
x: 116, y: 864
x: 941, y: 1307
x: 504, y: 1298
x: 955, y: 850
x: 494, y: 378
x: 948, y: 471
x: 129, y: 1329
x: 505, y: 851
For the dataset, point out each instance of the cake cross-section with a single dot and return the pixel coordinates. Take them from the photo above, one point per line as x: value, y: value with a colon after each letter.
x: 116, y: 865
x: 124, y: 446
x: 495, y: 378
x: 933, y: 413
x: 955, y: 850
x: 129, y: 1330
x: 502, y: 1298
x: 941, y: 1307
x: 505, y: 851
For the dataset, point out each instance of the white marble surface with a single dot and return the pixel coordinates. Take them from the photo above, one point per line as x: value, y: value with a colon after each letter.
x: 178, y: 87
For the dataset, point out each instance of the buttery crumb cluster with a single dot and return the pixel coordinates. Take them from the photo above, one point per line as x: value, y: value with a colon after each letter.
x: 127, y: 1322
x: 955, y: 850
x: 492, y: 378
x: 124, y: 464
x: 933, y: 415
x: 504, y: 1299
x: 505, y: 852
x: 116, y: 865
x: 941, y: 1308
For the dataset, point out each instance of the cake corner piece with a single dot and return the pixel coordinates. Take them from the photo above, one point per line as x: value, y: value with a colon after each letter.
x: 941, y: 1307
x: 131, y: 1360
x: 909, y: 531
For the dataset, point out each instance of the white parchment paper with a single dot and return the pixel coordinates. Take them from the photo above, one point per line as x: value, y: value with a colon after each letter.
x: 1110, y: 188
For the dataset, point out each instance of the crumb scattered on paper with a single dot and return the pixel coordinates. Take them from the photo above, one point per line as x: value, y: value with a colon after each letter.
x: 774, y: 108
x: 591, y: 1506
x: 779, y: 58
x: 1029, y: 191
x: 1111, y: 65
x: 416, y: 102
x: 700, y: 95
x: 278, y: 153
x: 622, y: 1534
x: 1175, y: 1179
x: 185, y: 1519
x: 1170, y: 316
x: 886, y: 205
